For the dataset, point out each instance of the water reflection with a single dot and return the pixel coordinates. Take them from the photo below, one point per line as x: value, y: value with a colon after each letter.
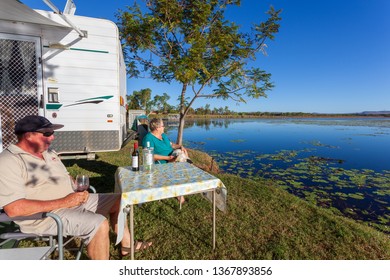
x: 222, y: 122
x: 207, y: 124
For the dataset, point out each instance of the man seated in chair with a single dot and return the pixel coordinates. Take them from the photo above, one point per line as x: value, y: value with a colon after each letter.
x: 33, y: 179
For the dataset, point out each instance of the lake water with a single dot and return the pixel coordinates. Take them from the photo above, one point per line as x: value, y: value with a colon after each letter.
x: 342, y: 164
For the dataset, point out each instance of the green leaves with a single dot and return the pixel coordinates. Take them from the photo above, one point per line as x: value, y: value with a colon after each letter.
x: 192, y: 42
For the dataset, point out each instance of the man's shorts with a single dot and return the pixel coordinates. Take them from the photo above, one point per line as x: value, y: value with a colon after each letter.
x: 83, y: 221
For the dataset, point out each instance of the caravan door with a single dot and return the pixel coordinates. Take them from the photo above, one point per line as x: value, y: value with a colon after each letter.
x: 20, y: 82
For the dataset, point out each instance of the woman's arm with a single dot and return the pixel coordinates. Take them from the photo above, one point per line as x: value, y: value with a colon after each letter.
x: 176, y: 146
x: 160, y: 157
x: 181, y: 147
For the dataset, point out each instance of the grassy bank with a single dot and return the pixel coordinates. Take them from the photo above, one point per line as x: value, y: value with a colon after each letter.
x: 262, y: 221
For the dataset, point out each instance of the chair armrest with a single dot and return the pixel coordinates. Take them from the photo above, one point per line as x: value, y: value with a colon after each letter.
x: 5, y: 218
x: 92, y: 189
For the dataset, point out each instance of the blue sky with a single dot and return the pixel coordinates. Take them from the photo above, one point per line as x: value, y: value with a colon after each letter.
x: 330, y: 56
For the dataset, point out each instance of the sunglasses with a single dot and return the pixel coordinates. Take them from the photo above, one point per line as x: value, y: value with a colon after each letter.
x: 47, y: 134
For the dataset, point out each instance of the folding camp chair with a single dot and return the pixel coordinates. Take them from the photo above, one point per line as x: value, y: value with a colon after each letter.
x: 142, y: 130
x: 11, y: 236
x: 11, y: 239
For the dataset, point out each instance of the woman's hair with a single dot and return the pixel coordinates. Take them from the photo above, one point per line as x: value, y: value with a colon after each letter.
x: 155, y: 123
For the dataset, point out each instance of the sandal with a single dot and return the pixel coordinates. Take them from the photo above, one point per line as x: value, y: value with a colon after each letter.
x: 139, y: 245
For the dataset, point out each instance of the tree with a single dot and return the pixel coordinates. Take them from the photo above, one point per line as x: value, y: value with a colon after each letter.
x: 132, y: 102
x: 226, y: 110
x: 191, y: 42
x: 140, y: 99
x: 160, y: 102
x: 207, y: 109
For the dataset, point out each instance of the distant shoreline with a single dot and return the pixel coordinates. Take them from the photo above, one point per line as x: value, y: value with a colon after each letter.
x: 287, y: 115
x: 260, y: 115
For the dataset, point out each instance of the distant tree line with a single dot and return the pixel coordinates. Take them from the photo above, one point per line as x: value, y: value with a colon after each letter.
x: 142, y: 100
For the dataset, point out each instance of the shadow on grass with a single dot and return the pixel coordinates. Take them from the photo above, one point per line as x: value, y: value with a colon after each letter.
x: 102, y: 174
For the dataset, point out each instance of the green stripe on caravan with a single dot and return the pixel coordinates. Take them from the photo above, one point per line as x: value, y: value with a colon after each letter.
x: 53, y: 106
x: 64, y: 47
x: 99, y: 97
x: 93, y: 100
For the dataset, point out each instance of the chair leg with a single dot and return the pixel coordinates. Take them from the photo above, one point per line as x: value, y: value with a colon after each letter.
x: 51, y: 241
x: 80, y: 250
x: 16, y: 244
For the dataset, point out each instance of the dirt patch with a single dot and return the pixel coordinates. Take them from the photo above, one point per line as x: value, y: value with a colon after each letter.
x: 203, y: 161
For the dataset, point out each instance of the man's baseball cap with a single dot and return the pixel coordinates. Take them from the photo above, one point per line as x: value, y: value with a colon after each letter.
x: 35, y: 124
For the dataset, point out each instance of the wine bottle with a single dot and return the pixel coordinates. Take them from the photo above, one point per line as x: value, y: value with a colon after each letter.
x: 135, y: 158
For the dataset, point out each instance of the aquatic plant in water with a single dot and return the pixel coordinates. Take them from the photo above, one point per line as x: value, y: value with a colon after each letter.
x: 363, y: 195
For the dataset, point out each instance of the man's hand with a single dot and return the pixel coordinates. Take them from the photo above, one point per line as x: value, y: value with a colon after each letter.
x: 76, y: 198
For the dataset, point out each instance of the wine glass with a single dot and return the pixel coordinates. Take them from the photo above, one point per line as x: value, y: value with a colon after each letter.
x: 82, y: 183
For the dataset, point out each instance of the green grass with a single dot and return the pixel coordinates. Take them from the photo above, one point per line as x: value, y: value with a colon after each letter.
x: 262, y: 222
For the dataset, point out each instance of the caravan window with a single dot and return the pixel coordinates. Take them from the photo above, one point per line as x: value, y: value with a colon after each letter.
x: 52, y: 95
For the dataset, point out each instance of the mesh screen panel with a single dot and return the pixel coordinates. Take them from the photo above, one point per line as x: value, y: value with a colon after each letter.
x: 18, y: 85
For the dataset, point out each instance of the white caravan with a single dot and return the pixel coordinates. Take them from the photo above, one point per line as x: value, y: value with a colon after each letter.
x: 67, y: 68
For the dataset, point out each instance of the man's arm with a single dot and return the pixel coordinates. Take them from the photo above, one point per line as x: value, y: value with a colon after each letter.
x: 26, y: 207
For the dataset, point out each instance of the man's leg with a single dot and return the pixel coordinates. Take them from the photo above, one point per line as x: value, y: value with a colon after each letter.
x: 99, y: 246
x: 114, y: 223
x: 126, y: 233
x: 93, y: 228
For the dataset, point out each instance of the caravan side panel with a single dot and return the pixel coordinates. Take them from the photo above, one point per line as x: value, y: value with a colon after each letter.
x: 83, y: 86
x: 81, y: 82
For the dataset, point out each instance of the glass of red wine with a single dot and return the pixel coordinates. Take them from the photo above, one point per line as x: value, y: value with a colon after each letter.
x: 82, y: 183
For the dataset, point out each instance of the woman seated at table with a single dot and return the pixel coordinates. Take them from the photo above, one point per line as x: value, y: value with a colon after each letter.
x: 164, y: 150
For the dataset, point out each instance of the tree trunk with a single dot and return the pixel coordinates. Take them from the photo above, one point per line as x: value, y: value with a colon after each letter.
x: 182, y: 116
x: 180, y: 130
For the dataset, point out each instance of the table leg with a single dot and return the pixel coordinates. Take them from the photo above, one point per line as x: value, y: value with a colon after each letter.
x: 214, y: 197
x: 132, y: 231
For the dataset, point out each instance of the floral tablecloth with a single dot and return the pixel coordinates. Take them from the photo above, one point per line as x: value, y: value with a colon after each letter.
x: 165, y: 181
